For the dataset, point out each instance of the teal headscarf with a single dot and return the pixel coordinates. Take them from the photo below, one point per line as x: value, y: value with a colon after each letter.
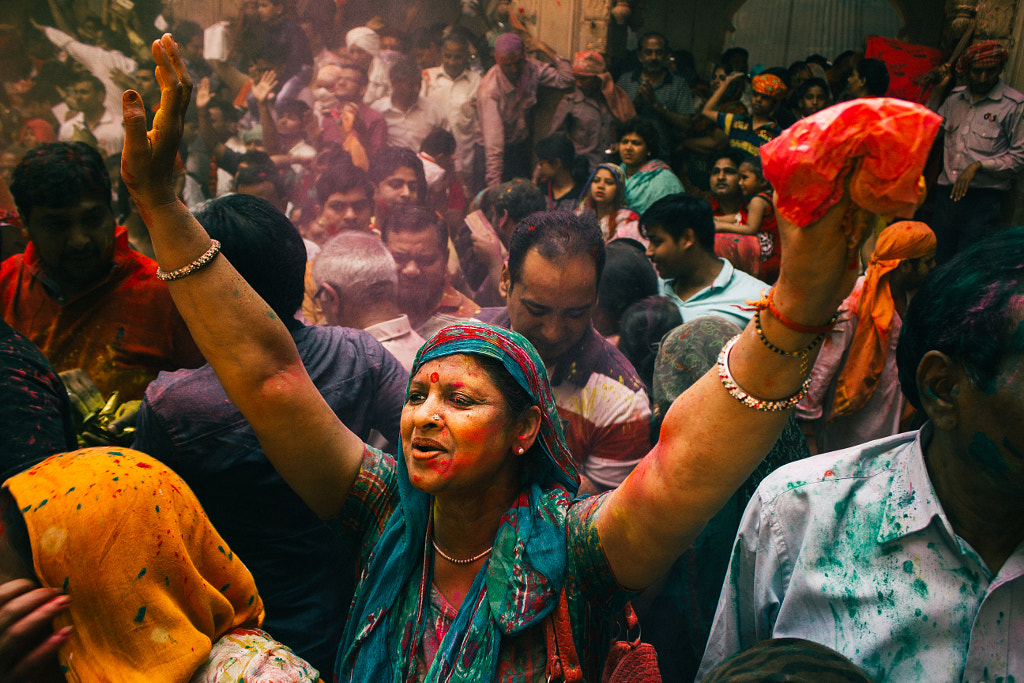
x: 520, y: 582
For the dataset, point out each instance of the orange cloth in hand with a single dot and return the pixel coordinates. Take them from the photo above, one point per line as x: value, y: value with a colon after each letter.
x: 152, y: 583
x: 875, y: 308
x: 808, y: 164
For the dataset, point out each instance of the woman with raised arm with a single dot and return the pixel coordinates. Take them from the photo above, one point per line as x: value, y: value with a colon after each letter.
x: 468, y: 539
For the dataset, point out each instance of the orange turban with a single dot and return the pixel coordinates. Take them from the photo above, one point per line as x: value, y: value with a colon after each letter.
x: 769, y: 84
x: 875, y: 309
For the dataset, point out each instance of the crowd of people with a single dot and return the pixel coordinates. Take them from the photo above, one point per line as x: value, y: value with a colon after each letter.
x: 462, y: 392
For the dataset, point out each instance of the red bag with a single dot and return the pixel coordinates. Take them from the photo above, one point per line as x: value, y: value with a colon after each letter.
x: 629, y: 661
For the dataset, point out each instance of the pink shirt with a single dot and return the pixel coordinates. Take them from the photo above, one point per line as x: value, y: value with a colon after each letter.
x: 504, y: 107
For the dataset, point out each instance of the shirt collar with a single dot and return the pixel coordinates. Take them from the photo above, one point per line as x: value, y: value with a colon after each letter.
x: 912, y: 502
x: 463, y: 76
x: 390, y: 329
x: 995, y: 94
x: 724, y: 277
x: 119, y: 251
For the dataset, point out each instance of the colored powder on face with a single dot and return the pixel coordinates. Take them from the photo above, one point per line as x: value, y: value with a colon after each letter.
x: 434, y: 377
x: 141, y: 615
x: 985, y: 452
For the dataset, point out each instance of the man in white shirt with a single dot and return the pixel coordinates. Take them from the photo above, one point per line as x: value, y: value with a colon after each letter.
x: 906, y: 554
x: 94, y: 124
x: 409, y: 116
x: 104, y: 64
x: 453, y: 87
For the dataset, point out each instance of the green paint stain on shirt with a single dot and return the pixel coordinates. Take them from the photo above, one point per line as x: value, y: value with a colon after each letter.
x: 921, y: 588
x: 908, y: 567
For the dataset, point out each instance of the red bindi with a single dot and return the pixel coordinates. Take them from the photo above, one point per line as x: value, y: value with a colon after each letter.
x: 433, y: 377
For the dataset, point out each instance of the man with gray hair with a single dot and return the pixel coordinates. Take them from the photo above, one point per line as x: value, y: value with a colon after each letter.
x: 357, y: 286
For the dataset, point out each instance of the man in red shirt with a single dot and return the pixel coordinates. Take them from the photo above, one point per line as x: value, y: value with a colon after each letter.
x: 79, y: 293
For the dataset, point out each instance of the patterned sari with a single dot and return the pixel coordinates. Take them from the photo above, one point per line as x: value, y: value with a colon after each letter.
x: 519, y: 584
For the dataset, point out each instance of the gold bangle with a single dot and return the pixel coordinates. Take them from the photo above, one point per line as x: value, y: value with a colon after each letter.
x: 185, y: 271
x: 737, y: 392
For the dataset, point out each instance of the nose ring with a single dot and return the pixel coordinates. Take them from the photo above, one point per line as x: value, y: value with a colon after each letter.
x: 435, y: 417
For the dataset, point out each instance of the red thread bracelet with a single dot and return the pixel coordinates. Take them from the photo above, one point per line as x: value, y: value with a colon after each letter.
x: 795, y: 326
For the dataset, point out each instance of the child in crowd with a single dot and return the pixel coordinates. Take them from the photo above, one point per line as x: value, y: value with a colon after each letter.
x: 752, y: 242
x: 761, y: 220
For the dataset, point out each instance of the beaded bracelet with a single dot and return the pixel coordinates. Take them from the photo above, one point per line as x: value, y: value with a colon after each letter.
x: 764, y: 405
x: 803, y: 354
x: 185, y: 271
x: 795, y: 326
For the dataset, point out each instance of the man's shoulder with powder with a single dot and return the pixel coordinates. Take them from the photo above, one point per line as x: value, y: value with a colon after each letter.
x: 833, y: 475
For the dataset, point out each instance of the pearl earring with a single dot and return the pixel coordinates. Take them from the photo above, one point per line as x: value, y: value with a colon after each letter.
x: 520, y: 450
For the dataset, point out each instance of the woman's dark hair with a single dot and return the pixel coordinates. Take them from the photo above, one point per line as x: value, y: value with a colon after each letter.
x: 557, y: 147
x: 645, y: 129
x: 58, y: 175
x: 875, y: 75
x: 263, y: 245
x: 628, y: 277
x: 641, y: 328
x: 964, y: 310
x: 812, y: 83
x: 517, y: 399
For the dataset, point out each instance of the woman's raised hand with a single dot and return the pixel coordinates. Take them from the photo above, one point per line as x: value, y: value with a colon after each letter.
x: 147, y: 163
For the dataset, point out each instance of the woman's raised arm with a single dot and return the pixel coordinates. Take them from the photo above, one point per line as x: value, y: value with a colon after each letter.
x: 857, y: 158
x: 243, y: 340
x: 710, y: 442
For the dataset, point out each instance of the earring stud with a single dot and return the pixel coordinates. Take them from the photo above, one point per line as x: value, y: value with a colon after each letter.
x: 520, y: 450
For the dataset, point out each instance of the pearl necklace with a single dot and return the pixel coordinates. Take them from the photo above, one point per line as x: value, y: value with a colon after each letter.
x: 451, y: 559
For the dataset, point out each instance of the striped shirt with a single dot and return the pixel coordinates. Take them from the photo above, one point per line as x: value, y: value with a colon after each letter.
x: 602, y: 403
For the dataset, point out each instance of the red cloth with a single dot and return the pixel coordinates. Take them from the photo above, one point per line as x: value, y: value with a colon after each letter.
x: 884, y: 142
x: 122, y: 331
